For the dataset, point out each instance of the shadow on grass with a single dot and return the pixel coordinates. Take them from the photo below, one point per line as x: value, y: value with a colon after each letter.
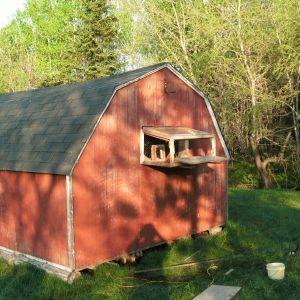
x: 263, y: 227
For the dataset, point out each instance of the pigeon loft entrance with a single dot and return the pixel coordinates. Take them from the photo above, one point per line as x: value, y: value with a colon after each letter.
x: 168, y: 146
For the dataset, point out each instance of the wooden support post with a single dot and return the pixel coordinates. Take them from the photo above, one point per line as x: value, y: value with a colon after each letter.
x: 183, y: 148
x: 186, y: 144
x: 142, y: 146
x: 172, y: 150
x: 213, y: 147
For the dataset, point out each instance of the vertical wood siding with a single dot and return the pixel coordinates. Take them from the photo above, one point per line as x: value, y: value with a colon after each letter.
x: 120, y: 205
x: 33, y: 217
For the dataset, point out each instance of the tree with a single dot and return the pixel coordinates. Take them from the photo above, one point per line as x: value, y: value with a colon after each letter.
x: 17, y: 61
x: 39, y: 38
x: 96, y: 40
x: 51, y: 38
x: 245, y: 55
x: 128, y: 34
x: 55, y: 41
x: 252, y: 59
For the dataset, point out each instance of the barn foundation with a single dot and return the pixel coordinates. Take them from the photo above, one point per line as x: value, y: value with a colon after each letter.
x: 16, y: 258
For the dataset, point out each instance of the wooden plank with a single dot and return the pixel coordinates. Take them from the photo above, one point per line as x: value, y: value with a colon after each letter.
x: 196, y: 160
x: 17, y: 257
x: 213, y: 146
x: 181, y: 162
x: 161, y: 164
x: 172, y: 150
x: 177, y: 133
x: 218, y: 292
x: 142, y: 141
x: 188, y: 264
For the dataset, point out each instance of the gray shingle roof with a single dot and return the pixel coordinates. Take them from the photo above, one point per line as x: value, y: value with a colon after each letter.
x: 45, y: 130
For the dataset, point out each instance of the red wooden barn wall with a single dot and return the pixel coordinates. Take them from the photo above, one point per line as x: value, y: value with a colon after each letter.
x: 33, y: 217
x: 120, y: 205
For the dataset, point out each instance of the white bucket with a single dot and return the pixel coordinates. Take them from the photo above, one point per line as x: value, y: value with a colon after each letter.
x: 276, y: 270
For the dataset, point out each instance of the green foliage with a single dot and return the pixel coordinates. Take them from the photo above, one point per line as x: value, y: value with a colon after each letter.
x: 51, y: 33
x: 244, y: 55
x: 262, y: 228
x: 127, y: 49
x: 55, y: 41
x: 17, y: 64
x: 287, y: 174
x: 242, y: 174
x: 97, y: 40
x: 40, y: 41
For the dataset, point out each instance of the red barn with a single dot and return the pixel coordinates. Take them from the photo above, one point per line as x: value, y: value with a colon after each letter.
x: 96, y: 170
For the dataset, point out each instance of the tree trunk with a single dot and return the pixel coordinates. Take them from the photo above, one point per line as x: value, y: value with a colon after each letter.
x: 266, y: 177
x: 261, y: 165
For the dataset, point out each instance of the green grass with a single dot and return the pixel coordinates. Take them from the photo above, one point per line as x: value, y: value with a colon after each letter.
x: 264, y: 225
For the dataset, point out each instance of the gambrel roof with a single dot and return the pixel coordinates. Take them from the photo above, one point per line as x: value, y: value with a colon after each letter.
x: 46, y: 130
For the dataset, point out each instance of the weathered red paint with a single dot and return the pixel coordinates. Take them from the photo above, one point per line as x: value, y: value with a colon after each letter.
x: 33, y: 216
x: 120, y: 205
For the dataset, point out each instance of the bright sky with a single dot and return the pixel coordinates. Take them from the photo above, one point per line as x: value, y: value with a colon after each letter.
x: 8, y: 9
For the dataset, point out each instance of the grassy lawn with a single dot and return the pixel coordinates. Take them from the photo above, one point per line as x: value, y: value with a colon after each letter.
x: 263, y: 227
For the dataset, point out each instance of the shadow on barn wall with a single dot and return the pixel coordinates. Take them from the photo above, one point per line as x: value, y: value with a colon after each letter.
x: 32, y: 214
x: 119, y: 205
x: 124, y: 200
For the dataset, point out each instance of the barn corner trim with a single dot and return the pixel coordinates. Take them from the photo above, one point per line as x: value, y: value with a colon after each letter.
x: 70, y: 222
x: 180, y: 76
